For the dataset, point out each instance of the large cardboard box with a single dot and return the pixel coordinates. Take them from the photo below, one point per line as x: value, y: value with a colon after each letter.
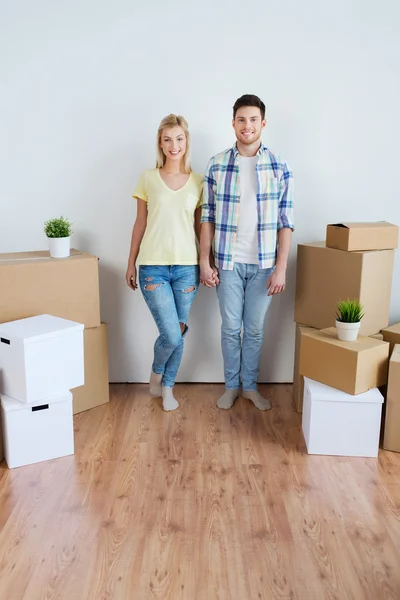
x: 392, y: 335
x: 32, y: 283
x: 391, y: 437
x: 96, y: 389
x: 352, y: 367
x: 325, y: 275
x: 298, y: 380
x: 379, y: 235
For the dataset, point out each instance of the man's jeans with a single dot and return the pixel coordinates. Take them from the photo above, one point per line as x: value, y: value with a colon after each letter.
x: 243, y: 299
x: 169, y: 302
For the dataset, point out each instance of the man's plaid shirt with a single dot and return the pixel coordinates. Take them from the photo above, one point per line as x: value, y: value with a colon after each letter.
x: 221, y: 202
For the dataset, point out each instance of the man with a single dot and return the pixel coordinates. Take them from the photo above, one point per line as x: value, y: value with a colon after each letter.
x: 248, y: 212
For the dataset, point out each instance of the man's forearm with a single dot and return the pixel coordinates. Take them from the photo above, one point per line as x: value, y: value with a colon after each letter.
x: 284, y: 240
x: 206, y: 239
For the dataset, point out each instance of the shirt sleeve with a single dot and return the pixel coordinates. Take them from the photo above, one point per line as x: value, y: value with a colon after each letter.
x: 209, y: 195
x: 141, y: 188
x: 200, y: 186
x: 285, y: 211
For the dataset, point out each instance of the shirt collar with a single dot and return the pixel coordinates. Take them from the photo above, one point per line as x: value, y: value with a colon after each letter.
x: 260, y: 151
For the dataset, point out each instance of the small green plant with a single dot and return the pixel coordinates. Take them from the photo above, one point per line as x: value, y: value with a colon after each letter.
x: 57, y: 228
x: 349, y: 311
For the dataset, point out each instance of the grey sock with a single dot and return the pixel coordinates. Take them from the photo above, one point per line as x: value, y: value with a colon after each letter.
x: 155, y: 384
x: 226, y: 401
x: 259, y: 401
x: 168, y: 400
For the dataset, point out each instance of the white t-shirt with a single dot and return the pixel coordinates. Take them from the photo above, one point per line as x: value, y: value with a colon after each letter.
x: 246, y: 250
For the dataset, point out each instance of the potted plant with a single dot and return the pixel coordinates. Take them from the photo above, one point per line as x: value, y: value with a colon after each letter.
x: 348, y: 319
x: 58, y: 233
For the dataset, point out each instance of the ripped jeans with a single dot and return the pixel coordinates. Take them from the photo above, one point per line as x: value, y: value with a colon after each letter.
x: 169, y: 292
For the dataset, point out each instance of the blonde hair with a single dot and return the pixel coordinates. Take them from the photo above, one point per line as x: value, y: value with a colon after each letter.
x: 173, y: 121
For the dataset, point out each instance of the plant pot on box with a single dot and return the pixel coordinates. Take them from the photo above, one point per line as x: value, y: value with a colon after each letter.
x: 348, y: 319
x: 58, y: 232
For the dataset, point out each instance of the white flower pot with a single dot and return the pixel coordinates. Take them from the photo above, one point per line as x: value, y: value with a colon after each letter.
x: 347, y: 332
x: 59, y: 247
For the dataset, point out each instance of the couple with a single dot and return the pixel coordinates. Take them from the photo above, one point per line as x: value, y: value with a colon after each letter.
x: 242, y: 215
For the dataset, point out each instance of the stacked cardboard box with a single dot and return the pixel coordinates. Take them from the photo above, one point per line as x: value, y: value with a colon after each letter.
x: 32, y: 284
x: 391, y: 417
x: 355, y: 261
x: 41, y: 360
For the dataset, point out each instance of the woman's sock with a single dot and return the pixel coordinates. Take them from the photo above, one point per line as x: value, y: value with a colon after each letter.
x: 155, y: 384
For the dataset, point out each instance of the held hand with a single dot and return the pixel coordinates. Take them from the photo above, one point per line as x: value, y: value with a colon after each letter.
x: 130, y: 277
x: 215, y: 275
x: 208, y: 275
x: 277, y: 281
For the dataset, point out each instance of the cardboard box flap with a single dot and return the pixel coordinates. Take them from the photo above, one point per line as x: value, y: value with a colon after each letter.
x: 360, y: 344
x: 392, y: 329
x: 362, y: 225
x: 15, y: 258
x: 395, y: 354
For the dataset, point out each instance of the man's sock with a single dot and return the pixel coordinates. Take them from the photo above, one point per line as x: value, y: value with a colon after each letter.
x: 168, y: 400
x: 226, y: 401
x: 259, y: 401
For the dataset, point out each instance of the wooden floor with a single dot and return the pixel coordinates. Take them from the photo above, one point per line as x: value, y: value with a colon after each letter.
x: 199, y: 504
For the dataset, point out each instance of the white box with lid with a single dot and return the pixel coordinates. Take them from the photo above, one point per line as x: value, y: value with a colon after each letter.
x: 336, y: 423
x: 36, y: 432
x: 40, y: 357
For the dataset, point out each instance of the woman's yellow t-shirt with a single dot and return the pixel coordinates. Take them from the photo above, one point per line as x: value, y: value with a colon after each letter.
x: 169, y: 238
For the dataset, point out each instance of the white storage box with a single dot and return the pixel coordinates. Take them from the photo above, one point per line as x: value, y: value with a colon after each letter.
x: 36, y: 432
x: 40, y: 357
x: 341, y: 424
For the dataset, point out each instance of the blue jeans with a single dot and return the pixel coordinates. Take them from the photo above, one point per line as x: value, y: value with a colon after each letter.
x: 169, y: 303
x: 243, y: 300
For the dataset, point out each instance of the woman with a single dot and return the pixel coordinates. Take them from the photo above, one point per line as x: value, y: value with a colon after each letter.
x: 169, y: 198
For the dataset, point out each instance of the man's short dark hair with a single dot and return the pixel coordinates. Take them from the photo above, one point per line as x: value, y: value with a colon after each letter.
x: 249, y: 100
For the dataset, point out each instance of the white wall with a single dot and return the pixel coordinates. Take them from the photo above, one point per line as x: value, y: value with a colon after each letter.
x: 85, y: 84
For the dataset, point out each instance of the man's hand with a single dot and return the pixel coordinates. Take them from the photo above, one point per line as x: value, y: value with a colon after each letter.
x: 277, y: 281
x: 208, y: 275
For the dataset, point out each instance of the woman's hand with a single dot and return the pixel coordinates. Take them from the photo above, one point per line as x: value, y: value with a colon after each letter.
x: 131, y: 277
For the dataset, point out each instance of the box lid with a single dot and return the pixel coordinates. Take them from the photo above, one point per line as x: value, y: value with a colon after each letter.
x: 32, y: 329
x: 330, y: 394
x: 15, y: 258
x: 392, y: 329
x: 395, y: 354
x: 329, y: 335
x: 9, y: 404
x: 362, y: 225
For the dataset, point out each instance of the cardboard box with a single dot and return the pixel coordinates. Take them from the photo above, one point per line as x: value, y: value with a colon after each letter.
x: 96, y: 389
x: 352, y: 367
x: 353, y: 237
x: 391, y: 438
x: 32, y: 283
x: 392, y: 335
x: 38, y: 431
x: 40, y: 357
x: 325, y: 275
x: 336, y: 423
x: 298, y: 380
